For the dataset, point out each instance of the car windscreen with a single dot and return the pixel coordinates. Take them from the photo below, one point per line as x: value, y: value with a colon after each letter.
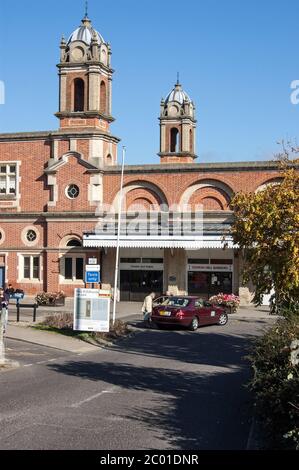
x: 176, y: 302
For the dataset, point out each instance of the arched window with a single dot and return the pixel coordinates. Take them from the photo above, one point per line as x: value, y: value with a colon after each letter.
x: 78, y: 94
x: 103, y: 98
x: 109, y: 160
x: 174, y: 140
x: 74, y: 242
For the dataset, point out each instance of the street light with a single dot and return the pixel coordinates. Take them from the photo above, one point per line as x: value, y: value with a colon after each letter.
x: 118, y: 234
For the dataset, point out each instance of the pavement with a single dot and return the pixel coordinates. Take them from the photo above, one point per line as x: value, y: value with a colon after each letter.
x: 23, y: 332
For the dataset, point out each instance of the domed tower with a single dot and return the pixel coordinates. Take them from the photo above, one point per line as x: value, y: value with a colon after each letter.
x: 85, y: 77
x: 177, y: 127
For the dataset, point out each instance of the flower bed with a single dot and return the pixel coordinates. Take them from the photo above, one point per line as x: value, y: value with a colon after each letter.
x: 54, y: 299
x: 230, y: 302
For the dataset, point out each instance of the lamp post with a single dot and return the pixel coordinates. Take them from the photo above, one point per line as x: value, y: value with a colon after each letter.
x: 118, y: 234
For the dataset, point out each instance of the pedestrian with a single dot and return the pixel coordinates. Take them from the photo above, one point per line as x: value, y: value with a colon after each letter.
x: 9, y: 290
x: 147, y: 309
x: 4, y: 300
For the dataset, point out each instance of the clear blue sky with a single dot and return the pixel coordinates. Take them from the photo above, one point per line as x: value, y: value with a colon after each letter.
x: 236, y: 61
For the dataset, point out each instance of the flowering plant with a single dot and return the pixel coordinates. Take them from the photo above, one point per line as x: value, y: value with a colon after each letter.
x: 230, y: 301
x: 49, y: 298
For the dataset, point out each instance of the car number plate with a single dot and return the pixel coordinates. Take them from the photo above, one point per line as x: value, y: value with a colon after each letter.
x: 164, y: 313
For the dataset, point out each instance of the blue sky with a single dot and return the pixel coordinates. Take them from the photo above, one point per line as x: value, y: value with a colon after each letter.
x: 236, y: 60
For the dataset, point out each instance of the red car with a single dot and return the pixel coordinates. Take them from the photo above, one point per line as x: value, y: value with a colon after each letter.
x: 190, y: 312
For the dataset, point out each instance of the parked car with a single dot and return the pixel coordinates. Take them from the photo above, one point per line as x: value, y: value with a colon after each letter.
x: 188, y: 311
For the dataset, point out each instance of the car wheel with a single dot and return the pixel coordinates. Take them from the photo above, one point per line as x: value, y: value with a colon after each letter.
x: 194, y: 324
x: 223, y: 319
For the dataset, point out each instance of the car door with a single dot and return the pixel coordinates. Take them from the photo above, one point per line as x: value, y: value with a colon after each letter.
x: 211, y: 313
x: 202, y: 312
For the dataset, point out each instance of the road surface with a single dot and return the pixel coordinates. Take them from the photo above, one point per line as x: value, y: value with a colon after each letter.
x: 168, y: 389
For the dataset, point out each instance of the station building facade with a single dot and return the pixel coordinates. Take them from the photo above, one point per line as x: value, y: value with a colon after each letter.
x: 54, y: 183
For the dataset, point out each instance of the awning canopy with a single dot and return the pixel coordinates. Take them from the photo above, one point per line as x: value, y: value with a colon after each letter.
x: 131, y: 241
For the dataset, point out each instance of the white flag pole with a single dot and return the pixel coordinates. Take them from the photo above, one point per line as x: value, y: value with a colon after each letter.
x: 118, y: 234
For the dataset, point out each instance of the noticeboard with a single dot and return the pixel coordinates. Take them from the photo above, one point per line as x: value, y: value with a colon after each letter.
x: 91, y: 312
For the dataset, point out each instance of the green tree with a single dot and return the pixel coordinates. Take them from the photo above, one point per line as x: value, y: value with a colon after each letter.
x: 266, y: 228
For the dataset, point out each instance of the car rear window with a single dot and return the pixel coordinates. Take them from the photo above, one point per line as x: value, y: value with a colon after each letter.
x: 176, y: 302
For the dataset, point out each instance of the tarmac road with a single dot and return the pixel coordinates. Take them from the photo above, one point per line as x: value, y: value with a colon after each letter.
x: 168, y: 389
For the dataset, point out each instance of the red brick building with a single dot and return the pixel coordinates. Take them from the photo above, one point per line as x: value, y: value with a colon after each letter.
x: 53, y: 183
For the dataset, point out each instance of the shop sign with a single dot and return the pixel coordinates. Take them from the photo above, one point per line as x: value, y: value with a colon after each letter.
x: 141, y: 267
x: 210, y: 267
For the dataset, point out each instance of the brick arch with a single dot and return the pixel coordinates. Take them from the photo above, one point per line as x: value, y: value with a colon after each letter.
x: 208, y: 192
x: 209, y: 198
x: 140, y: 204
x: 68, y: 237
x: 141, y: 190
x: 269, y: 182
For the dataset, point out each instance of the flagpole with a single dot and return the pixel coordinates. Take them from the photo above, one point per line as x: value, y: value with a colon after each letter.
x: 118, y: 234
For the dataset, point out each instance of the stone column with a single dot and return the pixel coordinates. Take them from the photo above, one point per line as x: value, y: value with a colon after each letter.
x: 108, y: 267
x: 175, y: 268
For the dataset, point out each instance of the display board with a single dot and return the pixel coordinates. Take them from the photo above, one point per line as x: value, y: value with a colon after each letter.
x: 91, y: 311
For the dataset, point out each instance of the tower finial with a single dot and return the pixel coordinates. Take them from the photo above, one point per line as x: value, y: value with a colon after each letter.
x: 178, y: 78
x: 86, y: 9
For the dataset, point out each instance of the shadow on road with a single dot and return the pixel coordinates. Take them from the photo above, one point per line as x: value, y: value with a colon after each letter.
x: 201, y: 407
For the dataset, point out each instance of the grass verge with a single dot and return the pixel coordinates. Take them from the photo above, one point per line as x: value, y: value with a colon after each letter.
x: 63, y: 324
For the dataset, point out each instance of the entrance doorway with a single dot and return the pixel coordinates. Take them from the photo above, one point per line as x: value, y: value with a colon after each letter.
x: 135, y: 285
x: 207, y: 284
x: 2, y: 277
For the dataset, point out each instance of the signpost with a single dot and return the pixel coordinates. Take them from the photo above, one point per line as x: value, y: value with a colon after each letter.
x: 91, y: 310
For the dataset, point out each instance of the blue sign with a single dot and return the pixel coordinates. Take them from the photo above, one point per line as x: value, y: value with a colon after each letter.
x: 92, y: 277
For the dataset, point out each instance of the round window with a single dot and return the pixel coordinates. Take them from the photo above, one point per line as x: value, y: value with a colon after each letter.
x: 72, y: 191
x: 31, y: 236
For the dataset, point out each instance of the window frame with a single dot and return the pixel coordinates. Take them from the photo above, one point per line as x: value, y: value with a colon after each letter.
x: 73, y: 257
x: 31, y: 277
x: 9, y: 176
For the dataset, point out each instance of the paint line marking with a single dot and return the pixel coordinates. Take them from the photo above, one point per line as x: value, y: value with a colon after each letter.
x: 93, y: 397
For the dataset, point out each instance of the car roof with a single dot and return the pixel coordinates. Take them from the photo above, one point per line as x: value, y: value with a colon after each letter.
x: 190, y: 297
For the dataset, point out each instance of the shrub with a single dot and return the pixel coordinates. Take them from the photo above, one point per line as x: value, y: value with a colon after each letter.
x: 64, y: 322
x: 275, y: 361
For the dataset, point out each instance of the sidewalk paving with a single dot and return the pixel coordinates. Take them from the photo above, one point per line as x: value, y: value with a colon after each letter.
x: 23, y: 332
